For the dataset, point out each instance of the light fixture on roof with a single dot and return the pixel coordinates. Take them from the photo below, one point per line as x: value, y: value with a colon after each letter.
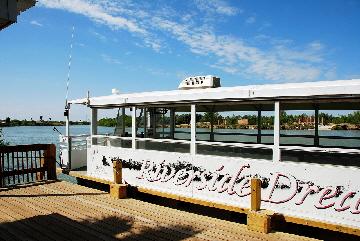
x: 200, y: 82
x: 115, y: 91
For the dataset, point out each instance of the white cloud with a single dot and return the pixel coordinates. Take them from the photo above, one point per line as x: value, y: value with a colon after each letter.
x: 94, y: 11
x: 109, y: 59
x: 311, y: 53
x: 216, y: 6
x: 266, y: 24
x: 251, y: 20
x: 36, y: 23
x: 279, y: 62
x: 100, y: 36
x: 226, y: 69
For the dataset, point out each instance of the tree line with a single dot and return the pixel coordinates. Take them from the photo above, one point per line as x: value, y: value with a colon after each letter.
x: 285, y: 119
x: 40, y: 123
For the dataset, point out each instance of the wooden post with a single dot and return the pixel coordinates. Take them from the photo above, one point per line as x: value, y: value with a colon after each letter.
x: 258, y: 220
x: 255, y: 194
x: 117, y: 189
x: 40, y: 175
x: 117, y: 167
x: 50, y: 157
x: 48, y: 162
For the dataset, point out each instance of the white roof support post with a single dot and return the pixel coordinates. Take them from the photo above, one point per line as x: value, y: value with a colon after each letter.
x: 94, y: 121
x: 145, y: 121
x: 276, y: 147
x: 93, y: 126
x: 69, y: 147
x: 193, y: 130
x: 67, y: 111
x: 133, y: 128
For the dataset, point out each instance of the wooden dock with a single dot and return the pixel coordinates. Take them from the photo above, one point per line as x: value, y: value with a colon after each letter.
x: 58, y: 210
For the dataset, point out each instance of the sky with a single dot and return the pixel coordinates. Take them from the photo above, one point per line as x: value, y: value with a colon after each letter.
x: 141, y: 46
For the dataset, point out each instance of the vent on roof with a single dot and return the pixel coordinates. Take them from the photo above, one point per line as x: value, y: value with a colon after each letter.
x: 200, y: 82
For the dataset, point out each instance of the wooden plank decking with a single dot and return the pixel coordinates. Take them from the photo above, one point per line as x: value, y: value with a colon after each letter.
x: 58, y: 210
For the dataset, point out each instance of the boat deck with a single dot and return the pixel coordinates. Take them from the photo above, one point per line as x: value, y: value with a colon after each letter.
x: 58, y: 210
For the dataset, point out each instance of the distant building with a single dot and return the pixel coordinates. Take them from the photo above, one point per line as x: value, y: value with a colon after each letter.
x: 5, y: 122
x: 243, y: 122
x: 222, y: 122
x: 10, y: 9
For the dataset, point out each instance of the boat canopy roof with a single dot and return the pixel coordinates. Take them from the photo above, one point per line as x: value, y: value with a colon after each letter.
x: 323, y: 95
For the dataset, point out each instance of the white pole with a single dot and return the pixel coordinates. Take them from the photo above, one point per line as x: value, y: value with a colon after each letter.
x: 133, y: 130
x: 69, y: 147
x: 276, y: 147
x: 193, y: 130
x: 94, y: 121
x: 259, y: 126
x: 93, y: 125
x: 67, y: 120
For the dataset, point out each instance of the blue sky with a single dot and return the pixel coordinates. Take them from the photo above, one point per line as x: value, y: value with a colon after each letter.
x: 139, y: 46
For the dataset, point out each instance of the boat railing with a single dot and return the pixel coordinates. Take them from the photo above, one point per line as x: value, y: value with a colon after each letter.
x: 106, y: 138
x: 73, y: 151
x: 74, y: 142
x: 285, y: 139
x: 289, y: 152
x: 321, y: 149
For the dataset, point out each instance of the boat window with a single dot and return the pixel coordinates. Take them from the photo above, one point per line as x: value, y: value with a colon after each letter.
x: 233, y: 124
x: 120, y: 119
x: 162, y: 122
x: 182, y: 129
x: 238, y: 130
x: 152, y: 122
x: 329, y: 139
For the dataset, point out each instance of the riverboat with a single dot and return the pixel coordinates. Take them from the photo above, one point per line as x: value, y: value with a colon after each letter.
x: 313, y: 180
